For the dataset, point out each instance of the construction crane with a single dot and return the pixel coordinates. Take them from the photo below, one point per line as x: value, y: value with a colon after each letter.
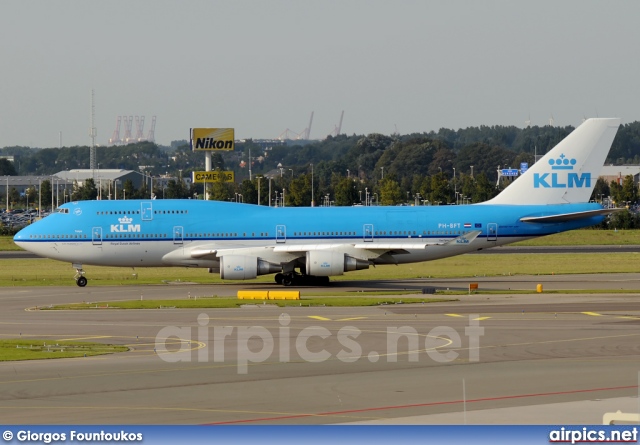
x: 115, y: 137
x: 139, y: 128
x: 151, y: 136
x: 290, y: 134
x: 307, y: 130
x: 338, y: 128
x: 128, y: 124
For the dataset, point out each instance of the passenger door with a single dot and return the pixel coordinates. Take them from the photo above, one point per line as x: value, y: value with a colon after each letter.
x: 96, y: 236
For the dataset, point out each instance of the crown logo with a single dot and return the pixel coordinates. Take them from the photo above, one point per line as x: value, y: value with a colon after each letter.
x: 562, y: 163
x: 125, y: 220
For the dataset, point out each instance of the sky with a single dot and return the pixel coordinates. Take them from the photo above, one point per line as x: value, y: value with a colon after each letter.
x: 263, y: 66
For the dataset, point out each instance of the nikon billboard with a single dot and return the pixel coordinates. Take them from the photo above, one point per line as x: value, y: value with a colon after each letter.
x: 213, y: 176
x: 213, y: 139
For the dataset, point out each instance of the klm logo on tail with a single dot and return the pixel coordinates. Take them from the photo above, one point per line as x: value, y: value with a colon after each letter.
x: 559, y: 179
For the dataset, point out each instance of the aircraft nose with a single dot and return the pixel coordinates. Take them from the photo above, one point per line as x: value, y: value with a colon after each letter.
x: 20, y: 237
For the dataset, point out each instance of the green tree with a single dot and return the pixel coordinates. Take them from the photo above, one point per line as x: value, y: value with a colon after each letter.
x: 300, y: 193
x: 600, y: 191
x: 7, y: 168
x: 484, y: 189
x: 31, y: 195
x: 86, y: 191
x: 390, y: 192
x: 440, y: 189
x: 345, y: 192
x: 128, y: 190
x: 249, y: 192
x: 629, y: 190
x: 616, y: 192
x: 14, y: 196
x: 220, y: 190
x: 45, y: 193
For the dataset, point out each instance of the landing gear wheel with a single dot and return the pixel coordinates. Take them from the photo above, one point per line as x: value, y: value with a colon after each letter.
x: 279, y: 278
x: 81, y: 281
x: 287, y: 280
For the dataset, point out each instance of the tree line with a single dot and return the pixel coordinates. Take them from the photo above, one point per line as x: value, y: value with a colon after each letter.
x: 434, y: 168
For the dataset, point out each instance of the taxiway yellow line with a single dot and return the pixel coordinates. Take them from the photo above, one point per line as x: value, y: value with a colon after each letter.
x: 84, y: 338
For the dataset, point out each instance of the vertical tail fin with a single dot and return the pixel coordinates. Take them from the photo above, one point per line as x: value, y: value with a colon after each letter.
x: 568, y: 172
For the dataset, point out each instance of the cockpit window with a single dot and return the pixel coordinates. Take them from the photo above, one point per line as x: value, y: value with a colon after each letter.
x: 63, y: 210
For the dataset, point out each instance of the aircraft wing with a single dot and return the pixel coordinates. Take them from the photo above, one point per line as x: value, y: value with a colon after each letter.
x: 564, y: 217
x: 364, y: 250
x: 382, y: 247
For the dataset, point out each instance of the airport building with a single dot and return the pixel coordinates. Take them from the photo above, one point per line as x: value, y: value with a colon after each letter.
x: 103, y: 176
x: 618, y: 172
x: 23, y: 183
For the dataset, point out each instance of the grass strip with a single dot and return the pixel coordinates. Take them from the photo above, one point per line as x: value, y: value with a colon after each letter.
x: 43, y: 272
x: 37, y: 349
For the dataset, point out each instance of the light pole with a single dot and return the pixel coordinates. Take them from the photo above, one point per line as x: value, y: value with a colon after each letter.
x: 382, y: 175
x: 39, y: 198
x: 472, y: 172
x: 259, y: 177
x: 312, y: 200
x: 348, y: 174
x: 455, y: 186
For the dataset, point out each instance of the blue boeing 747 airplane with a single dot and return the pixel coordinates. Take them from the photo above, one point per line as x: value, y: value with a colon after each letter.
x: 242, y: 241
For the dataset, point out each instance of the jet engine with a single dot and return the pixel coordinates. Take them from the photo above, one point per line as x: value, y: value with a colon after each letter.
x: 240, y: 267
x: 326, y: 263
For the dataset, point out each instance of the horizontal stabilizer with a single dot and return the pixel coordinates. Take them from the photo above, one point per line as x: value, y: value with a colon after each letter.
x: 564, y: 217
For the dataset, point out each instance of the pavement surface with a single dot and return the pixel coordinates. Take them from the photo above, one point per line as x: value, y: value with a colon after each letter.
x: 504, y: 358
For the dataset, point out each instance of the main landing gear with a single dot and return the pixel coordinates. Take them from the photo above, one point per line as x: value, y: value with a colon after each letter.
x: 296, y: 279
x: 79, y: 277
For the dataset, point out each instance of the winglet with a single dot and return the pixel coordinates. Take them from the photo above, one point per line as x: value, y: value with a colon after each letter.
x: 567, y: 173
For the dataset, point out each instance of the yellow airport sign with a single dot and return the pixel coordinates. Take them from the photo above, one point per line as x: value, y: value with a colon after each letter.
x: 214, y: 176
x: 215, y: 139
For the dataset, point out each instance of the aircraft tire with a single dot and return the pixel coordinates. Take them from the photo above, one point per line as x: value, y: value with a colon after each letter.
x: 279, y: 277
x: 81, y: 281
x: 287, y: 280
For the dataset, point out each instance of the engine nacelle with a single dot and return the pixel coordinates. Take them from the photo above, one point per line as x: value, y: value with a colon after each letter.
x: 240, y: 267
x: 326, y: 263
